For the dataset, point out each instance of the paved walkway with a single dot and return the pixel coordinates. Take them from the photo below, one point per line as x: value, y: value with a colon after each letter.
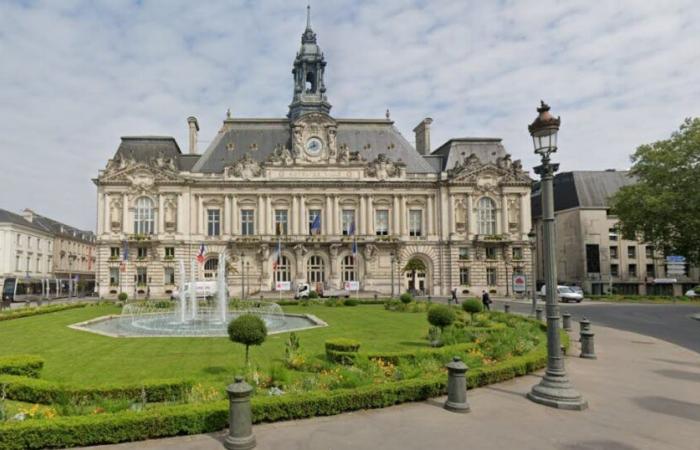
x: 643, y: 393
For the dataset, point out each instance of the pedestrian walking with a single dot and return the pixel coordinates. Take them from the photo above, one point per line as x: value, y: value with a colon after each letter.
x: 486, y: 301
x: 454, y: 296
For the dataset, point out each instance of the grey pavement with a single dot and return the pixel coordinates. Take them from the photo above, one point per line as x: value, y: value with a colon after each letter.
x: 643, y: 394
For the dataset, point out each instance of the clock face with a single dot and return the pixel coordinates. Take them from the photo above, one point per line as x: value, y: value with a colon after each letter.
x: 314, y: 146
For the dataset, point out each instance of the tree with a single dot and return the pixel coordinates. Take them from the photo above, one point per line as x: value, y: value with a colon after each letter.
x: 441, y: 316
x: 247, y: 329
x: 472, y: 306
x: 414, y: 265
x: 663, y: 207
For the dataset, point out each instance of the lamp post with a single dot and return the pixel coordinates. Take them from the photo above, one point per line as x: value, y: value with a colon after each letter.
x: 533, y: 282
x: 555, y: 389
x: 242, y: 276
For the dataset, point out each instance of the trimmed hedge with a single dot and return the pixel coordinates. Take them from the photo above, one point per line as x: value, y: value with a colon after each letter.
x: 408, y: 355
x: 342, y: 345
x: 28, y: 312
x: 21, y: 365
x: 210, y: 417
x: 345, y: 358
x: 46, y: 392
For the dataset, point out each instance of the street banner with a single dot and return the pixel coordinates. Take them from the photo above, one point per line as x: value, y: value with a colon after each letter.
x: 283, y: 286
x: 352, y: 285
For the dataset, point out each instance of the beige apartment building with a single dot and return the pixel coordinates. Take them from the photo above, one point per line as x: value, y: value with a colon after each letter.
x: 312, y: 198
x: 592, y: 253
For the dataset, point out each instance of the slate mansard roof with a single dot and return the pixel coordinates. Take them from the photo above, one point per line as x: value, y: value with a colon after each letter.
x: 582, y: 189
x: 260, y: 137
x: 46, y: 225
x: 488, y: 150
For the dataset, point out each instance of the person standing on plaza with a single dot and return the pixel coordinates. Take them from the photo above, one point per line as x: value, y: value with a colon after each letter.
x: 486, y: 300
x: 454, y: 296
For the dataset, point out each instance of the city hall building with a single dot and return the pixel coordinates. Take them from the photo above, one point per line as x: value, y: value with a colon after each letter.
x: 340, y: 199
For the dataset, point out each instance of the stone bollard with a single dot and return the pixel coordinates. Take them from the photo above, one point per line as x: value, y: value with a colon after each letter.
x: 585, y: 324
x: 539, y: 313
x: 587, y: 345
x: 375, y: 296
x: 566, y: 321
x: 240, y: 417
x: 506, y: 308
x: 457, y: 386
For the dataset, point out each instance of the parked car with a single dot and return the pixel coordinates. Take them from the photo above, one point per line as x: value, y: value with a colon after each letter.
x: 695, y: 292
x: 303, y: 291
x: 205, y: 289
x: 564, y: 294
x: 577, y: 289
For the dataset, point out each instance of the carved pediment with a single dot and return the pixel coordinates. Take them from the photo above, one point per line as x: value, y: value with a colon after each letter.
x: 141, y: 174
x: 471, y: 170
x: 382, y: 168
x: 281, y: 156
x: 245, y: 168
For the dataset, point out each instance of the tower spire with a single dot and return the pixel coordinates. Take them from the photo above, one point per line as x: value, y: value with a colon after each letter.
x: 308, y: 16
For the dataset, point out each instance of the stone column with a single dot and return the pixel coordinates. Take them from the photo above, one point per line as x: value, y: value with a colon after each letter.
x: 444, y: 213
x: 395, y: 223
x: 504, y: 215
x: 303, y: 220
x: 105, y: 216
x: 161, y: 215
x: 471, y: 223
x: 328, y: 216
x: 370, y: 215
x: 261, y: 215
x: 361, y: 217
x: 404, y: 216
x: 126, y: 227
x: 294, y: 216
x: 451, y: 214
x: 337, y: 223
x: 430, y: 216
x: 525, y: 224
x: 234, y: 215
x: 269, y: 215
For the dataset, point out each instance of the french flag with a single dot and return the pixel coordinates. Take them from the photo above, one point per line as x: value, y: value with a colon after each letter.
x: 200, y: 254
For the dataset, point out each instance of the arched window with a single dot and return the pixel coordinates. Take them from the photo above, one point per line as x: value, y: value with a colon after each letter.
x: 348, y: 268
x: 143, y: 216
x: 210, y: 268
x: 315, y: 270
x: 487, y: 216
x: 282, y: 272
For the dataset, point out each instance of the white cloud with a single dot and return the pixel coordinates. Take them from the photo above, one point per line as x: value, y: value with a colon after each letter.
x: 78, y: 75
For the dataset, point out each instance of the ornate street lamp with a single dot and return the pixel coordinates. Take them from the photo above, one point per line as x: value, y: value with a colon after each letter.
x: 393, y: 261
x: 532, y: 237
x: 555, y: 389
x: 242, y: 276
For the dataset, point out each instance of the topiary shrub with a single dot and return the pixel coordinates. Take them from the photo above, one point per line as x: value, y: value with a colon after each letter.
x: 313, y: 294
x: 441, y: 316
x: 248, y: 330
x: 342, y: 350
x: 472, y: 306
x: 122, y: 297
x: 22, y: 365
x: 351, y: 302
x: 406, y: 298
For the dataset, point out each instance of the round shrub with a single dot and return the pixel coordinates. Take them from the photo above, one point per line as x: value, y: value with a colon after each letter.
x: 247, y: 329
x: 313, y: 294
x: 351, y: 302
x: 472, y: 306
x: 122, y: 296
x: 406, y: 298
x: 441, y: 316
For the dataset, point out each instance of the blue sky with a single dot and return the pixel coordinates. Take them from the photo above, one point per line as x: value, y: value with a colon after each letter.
x: 77, y: 75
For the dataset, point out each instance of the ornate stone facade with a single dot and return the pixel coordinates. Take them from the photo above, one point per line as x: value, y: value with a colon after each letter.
x: 315, y: 184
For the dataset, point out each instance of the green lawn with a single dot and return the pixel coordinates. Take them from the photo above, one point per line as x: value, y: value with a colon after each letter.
x: 84, y: 357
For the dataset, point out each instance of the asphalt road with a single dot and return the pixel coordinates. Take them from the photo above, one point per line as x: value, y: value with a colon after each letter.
x: 672, y: 323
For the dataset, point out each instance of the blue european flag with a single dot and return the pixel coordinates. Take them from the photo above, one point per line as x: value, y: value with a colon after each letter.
x: 316, y: 224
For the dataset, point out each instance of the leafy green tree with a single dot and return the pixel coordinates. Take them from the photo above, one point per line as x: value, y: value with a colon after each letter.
x: 663, y: 207
x: 248, y: 330
x: 414, y: 265
x: 441, y: 316
x: 472, y: 306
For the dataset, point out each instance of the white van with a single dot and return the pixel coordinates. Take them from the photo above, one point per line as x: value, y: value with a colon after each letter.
x: 564, y: 294
x: 205, y: 289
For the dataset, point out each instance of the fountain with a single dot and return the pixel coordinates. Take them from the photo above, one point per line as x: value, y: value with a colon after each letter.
x: 195, y: 313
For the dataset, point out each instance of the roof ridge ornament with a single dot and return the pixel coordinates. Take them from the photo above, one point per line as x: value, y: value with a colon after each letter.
x: 309, y: 37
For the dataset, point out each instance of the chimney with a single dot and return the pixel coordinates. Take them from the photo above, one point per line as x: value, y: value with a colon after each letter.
x: 194, y: 128
x: 422, y: 131
x: 28, y: 215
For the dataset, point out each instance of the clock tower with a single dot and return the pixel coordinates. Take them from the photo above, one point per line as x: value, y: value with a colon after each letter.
x: 309, y: 65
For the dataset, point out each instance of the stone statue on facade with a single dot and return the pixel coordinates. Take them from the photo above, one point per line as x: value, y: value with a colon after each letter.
x: 115, y: 214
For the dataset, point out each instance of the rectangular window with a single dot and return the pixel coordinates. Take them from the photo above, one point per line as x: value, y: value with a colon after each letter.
x: 415, y: 222
x: 381, y: 222
x: 631, y: 251
x: 592, y: 258
x: 19, y: 239
x: 632, y: 270
x: 490, y: 252
x: 213, y: 222
x: 315, y: 221
x: 169, y: 252
x: 281, y: 222
x: 649, y: 252
x: 247, y: 222
x: 464, y: 276
x: 141, y: 276
x: 114, y: 276
x: 464, y: 253
x: 114, y: 252
x: 29, y: 242
x: 141, y: 252
x: 517, y: 253
x: 17, y: 264
x: 650, y: 271
x: 169, y: 275
x: 491, y: 276
x: 613, y: 252
x: 614, y: 270
x: 612, y: 234
x: 38, y: 263
x: 348, y: 222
